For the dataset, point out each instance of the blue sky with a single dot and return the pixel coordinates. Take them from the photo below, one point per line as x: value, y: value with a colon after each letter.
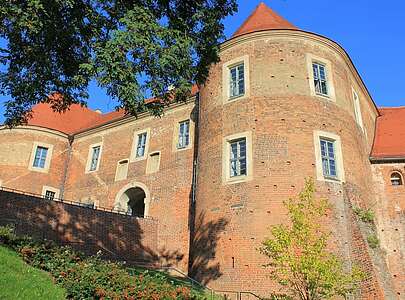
x: 371, y: 31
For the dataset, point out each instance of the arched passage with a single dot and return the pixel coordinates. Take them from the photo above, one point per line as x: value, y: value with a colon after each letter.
x: 133, y: 199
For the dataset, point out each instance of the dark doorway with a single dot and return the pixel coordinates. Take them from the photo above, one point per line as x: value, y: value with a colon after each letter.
x: 136, y: 201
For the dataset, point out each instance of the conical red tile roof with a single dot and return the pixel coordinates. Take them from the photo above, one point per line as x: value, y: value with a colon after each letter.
x: 263, y: 18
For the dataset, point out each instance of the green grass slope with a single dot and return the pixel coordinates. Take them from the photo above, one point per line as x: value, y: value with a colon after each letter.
x: 21, y: 281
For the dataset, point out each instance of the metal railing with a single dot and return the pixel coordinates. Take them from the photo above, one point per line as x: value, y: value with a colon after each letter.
x: 236, y: 295
x: 72, y: 202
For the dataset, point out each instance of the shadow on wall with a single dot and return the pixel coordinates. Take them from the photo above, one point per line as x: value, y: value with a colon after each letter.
x: 119, y: 237
x: 203, y: 248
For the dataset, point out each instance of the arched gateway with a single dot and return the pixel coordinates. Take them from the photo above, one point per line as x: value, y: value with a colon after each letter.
x: 134, y: 199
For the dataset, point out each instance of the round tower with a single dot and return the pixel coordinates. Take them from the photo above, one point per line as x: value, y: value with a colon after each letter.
x: 281, y: 105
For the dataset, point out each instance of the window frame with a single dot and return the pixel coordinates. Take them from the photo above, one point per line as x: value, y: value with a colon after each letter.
x: 313, y: 59
x: 401, y: 178
x: 186, y: 136
x: 90, y: 157
x: 226, y: 158
x: 226, y: 79
x: 338, y: 156
x: 239, y: 159
x: 328, y: 158
x: 39, y: 157
x: 134, y: 147
x: 318, y: 65
x: 237, y: 81
x: 48, y: 158
x: 46, y: 188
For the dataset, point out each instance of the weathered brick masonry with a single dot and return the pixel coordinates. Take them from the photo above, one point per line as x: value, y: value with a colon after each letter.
x: 89, y: 230
x: 204, y: 221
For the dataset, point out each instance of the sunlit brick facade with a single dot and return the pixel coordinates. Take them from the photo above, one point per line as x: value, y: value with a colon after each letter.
x: 254, y: 132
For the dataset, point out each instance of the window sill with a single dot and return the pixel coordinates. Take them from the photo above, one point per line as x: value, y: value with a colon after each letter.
x: 178, y: 149
x: 37, y: 169
x: 237, y: 179
x: 332, y: 179
x: 236, y: 98
x: 135, y: 159
x: 328, y: 97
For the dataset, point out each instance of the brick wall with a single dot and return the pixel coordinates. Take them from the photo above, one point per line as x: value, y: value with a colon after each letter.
x: 389, y: 208
x: 16, y: 147
x: 117, y: 236
x: 281, y: 115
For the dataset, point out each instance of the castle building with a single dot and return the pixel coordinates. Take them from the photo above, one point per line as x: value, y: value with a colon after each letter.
x: 283, y: 104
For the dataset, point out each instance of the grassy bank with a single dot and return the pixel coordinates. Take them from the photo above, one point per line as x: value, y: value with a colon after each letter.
x: 21, y: 281
x: 29, y: 268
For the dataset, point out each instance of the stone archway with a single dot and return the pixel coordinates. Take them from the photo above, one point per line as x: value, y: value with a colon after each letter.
x: 133, y: 199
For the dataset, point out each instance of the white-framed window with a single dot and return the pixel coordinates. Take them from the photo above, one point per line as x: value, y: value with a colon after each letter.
x: 50, y: 193
x: 140, y: 145
x: 357, y: 110
x: 320, y: 79
x: 237, y: 158
x: 40, y: 157
x: 396, y: 178
x: 235, y: 79
x: 184, y: 134
x: 329, y: 158
x: 94, y: 157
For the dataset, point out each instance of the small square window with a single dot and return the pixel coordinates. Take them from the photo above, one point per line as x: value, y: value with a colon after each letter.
x: 40, y: 157
x: 184, y: 134
x: 94, y: 158
x: 320, y: 79
x: 141, y: 145
x: 328, y: 158
x: 238, y: 161
x: 49, y: 195
x: 237, y: 81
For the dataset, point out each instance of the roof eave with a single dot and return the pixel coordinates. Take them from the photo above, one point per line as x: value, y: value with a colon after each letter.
x: 387, y: 159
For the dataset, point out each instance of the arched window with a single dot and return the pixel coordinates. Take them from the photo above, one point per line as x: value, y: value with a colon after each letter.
x: 396, y: 178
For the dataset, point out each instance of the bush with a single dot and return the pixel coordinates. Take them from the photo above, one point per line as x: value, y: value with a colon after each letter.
x: 7, y: 235
x: 93, y: 278
x: 373, y: 241
x: 365, y: 215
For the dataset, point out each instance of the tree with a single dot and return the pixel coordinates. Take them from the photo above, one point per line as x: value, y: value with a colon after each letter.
x: 299, y: 256
x: 132, y: 48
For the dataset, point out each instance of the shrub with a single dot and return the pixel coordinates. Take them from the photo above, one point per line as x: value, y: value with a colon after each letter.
x: 365, y: 215
x: 91, y: 277
x: 373, y: 241
x: 7, y: 235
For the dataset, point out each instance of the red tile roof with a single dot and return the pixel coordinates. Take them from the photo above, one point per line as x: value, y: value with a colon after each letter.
x: 72, y: 120
x: 77, y: 118
x: 389, y: 141
x: 263, y: 18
